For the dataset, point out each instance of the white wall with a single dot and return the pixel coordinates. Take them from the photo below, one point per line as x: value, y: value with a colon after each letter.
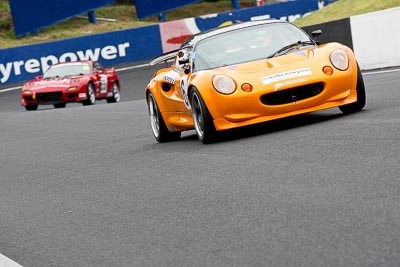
x: 376, y: 38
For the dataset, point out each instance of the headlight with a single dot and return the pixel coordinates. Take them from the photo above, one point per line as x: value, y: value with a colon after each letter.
x: 73, y: 88
x: 224, y: 84
x: 27, y: 92
x: 339, y: 59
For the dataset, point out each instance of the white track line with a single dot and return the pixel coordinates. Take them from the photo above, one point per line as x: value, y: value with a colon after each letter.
x: 6, y: 262
x: 380, y: 71
x: 10, y: 89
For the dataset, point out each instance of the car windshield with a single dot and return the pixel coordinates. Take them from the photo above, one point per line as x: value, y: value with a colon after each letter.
x: 248, y: 44
x: 67, y: 70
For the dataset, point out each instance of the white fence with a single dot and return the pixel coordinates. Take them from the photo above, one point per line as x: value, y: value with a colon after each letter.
x: 376, y: 38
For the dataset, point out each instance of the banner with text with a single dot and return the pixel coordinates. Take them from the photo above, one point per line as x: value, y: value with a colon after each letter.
x: 26, y: 62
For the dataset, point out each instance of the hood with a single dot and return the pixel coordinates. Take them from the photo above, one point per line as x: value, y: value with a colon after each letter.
x: 271, y: 70
x: 268, y: 64
x: 54, y: 84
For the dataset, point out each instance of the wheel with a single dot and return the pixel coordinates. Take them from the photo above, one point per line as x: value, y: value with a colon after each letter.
x: 91, y: 97
x: 31, y: 107
x: 203, y: 122
x: 116, y: 94
x: 160, y: 130
x: 361, y: 96
x: 60, y: 105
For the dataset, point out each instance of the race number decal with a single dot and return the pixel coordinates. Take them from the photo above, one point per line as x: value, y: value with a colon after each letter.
x: 103, y: 82
x: 184, y: 89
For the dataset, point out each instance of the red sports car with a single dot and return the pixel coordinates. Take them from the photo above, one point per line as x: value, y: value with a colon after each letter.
x: 80, y: 81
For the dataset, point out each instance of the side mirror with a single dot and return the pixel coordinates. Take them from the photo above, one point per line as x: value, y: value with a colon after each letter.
x: 39, y: 77
x: 315, y: 35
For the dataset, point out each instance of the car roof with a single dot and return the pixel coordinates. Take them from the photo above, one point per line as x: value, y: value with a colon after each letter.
x: 194, y: 39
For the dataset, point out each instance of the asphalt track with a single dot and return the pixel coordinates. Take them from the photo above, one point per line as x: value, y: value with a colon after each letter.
x: 89, y: 186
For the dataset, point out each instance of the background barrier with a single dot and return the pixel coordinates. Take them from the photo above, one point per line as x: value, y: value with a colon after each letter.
x: 126, y: 46
x: 333, y: 31
x: 373, y: 48
x: 174, y: 32
x: 146, y: 8
x: 376, y: 38
x: 30, y: 16
x: 25, y: 62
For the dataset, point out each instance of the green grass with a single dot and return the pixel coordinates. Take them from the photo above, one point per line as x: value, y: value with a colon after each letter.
x: 126, y: 18
x: 344, y: 9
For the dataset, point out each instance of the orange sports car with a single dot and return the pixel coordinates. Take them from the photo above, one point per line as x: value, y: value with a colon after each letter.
x: 249, y: 73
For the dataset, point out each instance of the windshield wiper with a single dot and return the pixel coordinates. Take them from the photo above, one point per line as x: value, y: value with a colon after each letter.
x: 291, y: 46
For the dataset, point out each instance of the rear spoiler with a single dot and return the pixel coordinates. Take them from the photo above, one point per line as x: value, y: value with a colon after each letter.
x: 164, y: 57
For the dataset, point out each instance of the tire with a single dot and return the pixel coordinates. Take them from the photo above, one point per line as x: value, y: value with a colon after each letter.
x: 60, y: 105
x: 203, y: 122
x: 160, y: 130
x: 361, y: 96
x: 31, y: 107
x: 91, y: 97
x: 116, y: 94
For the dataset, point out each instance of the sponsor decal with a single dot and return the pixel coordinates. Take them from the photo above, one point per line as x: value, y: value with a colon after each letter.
x: 184, y: 88
x: 171, y: 76
x: 82, y: 95
x: 279, y: 85
x: 231, y: 67
x: 104, y: 83
x: 286, y: 75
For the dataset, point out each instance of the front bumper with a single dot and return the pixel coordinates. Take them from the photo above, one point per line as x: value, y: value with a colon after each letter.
x: 265, y: 103
x: 54, y: 97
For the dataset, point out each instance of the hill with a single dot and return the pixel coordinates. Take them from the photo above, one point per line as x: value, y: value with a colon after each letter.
x: 345, y: 8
